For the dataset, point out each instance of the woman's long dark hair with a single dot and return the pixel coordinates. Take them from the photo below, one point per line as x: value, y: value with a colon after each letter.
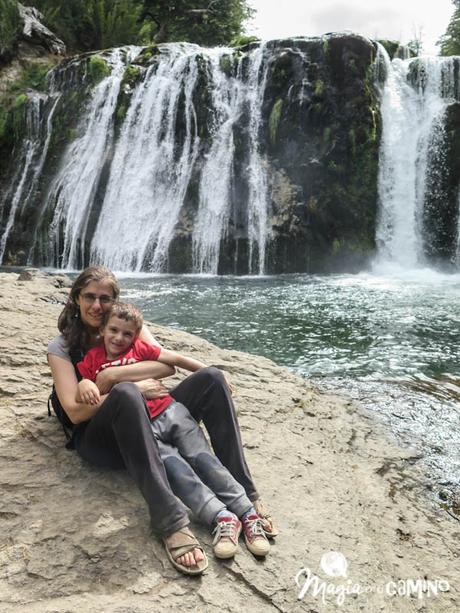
x: 70, y: 324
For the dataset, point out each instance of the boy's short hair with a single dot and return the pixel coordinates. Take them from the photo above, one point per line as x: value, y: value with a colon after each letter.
x: 126, y: 311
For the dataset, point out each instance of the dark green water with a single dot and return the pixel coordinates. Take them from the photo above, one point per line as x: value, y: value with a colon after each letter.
x: 343, y: 326
x: 390, y: 342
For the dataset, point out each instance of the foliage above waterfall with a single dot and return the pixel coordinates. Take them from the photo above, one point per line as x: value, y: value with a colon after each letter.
x: 450, y: 41
x: 99, y: 24
x: 9, y: 26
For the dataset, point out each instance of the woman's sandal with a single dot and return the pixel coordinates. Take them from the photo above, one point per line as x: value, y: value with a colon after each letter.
x: 267, y: 521
x: 183, y: 541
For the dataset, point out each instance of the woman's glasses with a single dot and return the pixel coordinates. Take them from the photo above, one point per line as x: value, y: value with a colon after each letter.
x: 104, y: 300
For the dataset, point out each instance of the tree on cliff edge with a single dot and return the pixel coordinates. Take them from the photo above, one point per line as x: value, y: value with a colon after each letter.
x: 96, y: 24
x: 208, y: 22
x: 450, y: 42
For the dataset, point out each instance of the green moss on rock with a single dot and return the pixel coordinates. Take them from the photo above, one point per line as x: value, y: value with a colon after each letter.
x: 3, y: 122
x: 33, y: 75
x: 20, y: 101
x: 147, y: 54
x: 120, y: 113
x: 13, y: 101
x: 274, y: 120
x: 242, y: 41
x: 319, y: 87
x: 312, y: 204
x: 98, y: 69
x: 226, y: 64
x: 390, y: 46
x: 327, y: 133
x: 131, y: 75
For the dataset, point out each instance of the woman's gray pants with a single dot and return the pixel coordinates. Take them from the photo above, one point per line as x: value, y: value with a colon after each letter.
x: 195, y: 474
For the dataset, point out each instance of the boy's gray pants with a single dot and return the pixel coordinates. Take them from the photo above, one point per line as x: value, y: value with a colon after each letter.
x: 195, y: 474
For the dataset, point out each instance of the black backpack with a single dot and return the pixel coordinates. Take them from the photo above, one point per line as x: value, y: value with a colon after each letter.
x: 69, y: 428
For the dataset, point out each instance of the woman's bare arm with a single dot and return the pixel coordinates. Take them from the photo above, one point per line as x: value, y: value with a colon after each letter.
x: 108, y: 377
x: 66, y: 385
x: 146, y: 336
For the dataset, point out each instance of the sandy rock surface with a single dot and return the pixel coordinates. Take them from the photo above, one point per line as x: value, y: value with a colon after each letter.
x: 76, y: 539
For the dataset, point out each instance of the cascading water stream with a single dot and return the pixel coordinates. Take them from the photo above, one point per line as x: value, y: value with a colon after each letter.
x: 32, y: 158
x: 231, y: 96
x: 147, y: 172
x: 257, y: 201
x: 414, y: 100
x: 73, y: 189
x: 215, y: 183
x: 150, y: 170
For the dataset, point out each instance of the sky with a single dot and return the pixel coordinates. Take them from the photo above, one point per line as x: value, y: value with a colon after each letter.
x: 401, y: 20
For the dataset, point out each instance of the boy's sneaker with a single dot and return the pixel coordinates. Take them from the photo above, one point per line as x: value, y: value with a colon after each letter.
x: 254, y: 536
x: 227, y: 531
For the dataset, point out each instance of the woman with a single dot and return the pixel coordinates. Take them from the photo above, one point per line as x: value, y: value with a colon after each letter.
x: 116, y: 433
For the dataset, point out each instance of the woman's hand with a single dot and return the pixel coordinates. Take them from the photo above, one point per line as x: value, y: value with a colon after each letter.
x: 105, y: 380
x: 151, y: 389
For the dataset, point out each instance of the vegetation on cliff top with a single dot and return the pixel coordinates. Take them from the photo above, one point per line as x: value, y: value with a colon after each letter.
x: 450, y: 42
x: 9, y: 25
x: 86, y: 25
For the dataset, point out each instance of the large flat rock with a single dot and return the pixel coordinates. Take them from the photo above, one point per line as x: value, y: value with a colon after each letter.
x: 76, y: 539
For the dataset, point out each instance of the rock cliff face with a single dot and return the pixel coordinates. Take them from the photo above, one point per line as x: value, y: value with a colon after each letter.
x: 322, y: 146
x: 295, y: 177
x: 76, y: 540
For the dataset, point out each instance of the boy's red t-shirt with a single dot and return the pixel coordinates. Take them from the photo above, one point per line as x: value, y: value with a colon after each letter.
x: 95, y: 361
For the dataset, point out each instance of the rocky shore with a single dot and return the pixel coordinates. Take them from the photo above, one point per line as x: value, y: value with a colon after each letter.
x: 75, y: 539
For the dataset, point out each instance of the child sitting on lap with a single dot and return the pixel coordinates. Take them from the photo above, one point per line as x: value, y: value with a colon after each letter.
x: 196, y: 475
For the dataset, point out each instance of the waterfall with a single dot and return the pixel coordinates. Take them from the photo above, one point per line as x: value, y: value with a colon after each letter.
x: 231, y: 95
x: 139, y: 183
x: 216, y: 175
x: 186, y: 159
x: 73, y: 190
x: 39, y: 116
x: 414, y: 100
x: 257, y: 202
x: 150, y: 170
x: 155, y: 158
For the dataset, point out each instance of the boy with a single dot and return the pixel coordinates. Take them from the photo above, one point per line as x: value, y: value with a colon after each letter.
x: 195, y: 474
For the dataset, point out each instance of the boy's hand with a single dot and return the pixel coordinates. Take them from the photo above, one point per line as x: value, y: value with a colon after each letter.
x: 151, y: 389
x: 89, y: 392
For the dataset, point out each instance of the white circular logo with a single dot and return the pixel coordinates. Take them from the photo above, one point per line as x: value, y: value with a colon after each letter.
x: 334, y: 564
